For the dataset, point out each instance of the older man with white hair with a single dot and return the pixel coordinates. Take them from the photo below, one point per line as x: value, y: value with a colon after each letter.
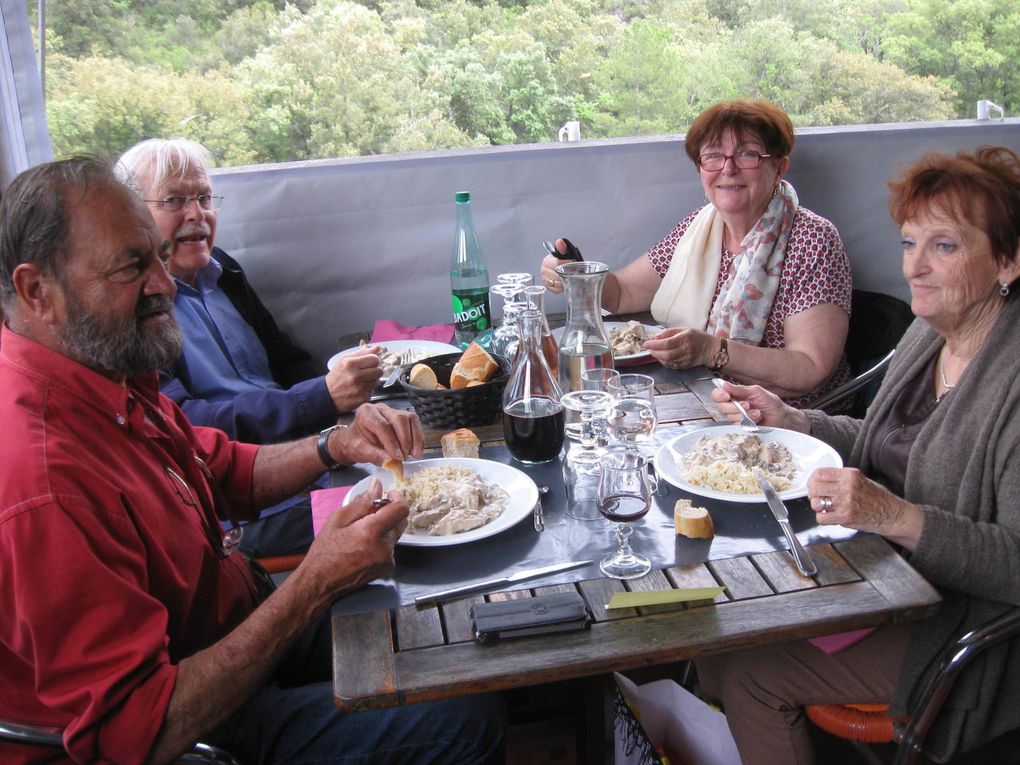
x: 239, y: 372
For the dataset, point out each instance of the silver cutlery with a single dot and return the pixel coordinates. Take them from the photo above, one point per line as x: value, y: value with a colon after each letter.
x: 657, y: 488
x: 539, y: 510
x: 502, y: 581
x: 800, y: 556
x: 749, y: 425
x: 404, y: 358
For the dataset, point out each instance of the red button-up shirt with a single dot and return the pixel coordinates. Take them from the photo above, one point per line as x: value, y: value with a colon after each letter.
x: 110, y: 568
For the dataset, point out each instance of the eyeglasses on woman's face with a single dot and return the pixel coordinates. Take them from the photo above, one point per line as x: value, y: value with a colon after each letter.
x: 745, y: 159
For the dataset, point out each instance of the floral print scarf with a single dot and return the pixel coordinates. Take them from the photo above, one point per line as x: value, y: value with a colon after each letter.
x: 746, y: 296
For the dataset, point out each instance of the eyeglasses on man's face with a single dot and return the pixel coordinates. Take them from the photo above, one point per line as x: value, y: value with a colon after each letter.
x: 208, y: 202
x: 746, y: 159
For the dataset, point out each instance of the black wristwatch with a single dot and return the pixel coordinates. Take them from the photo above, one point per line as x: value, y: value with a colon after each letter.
x: 322, y: 447
x: 722, y: 356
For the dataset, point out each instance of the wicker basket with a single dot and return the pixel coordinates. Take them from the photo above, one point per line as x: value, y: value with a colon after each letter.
x: 461, y: 408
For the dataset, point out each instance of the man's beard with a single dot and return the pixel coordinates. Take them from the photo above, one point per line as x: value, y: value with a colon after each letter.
x: 123, y: 346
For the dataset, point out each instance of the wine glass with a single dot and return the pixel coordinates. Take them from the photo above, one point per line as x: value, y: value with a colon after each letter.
x: 507, y: 335
x: 633, y: 417
x: 581, y: 467
x: 624, y: 496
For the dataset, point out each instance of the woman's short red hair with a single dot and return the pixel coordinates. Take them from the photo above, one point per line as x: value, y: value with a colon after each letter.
x: 767, y: 122
x: 980, y: 188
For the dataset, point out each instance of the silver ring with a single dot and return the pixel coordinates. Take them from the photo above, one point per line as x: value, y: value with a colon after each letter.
x: 826, y: 503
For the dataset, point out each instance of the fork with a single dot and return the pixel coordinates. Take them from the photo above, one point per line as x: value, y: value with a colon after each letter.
x: 405, y: 356
x: 746, y: 423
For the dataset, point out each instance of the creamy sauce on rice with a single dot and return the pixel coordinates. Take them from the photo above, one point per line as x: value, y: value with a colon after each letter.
x: 726, y: 463
x: 451, y: 500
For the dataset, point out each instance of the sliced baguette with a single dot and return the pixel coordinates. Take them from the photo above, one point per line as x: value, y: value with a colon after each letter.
x: 460, y: 443
x: 396, y: 467
x: 693, y: 522
x: 475, y: 364
x: 423, y: 376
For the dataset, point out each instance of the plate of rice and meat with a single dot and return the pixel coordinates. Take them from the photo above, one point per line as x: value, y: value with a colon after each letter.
x: 455, y: 500
x: 720, y: 462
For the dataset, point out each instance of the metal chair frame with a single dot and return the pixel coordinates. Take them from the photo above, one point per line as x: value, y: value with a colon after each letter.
x: 52, y: 737
x: 851, y: 387
x: 975, y: 642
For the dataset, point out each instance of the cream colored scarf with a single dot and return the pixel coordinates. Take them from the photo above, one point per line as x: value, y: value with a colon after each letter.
x: 684, y: 299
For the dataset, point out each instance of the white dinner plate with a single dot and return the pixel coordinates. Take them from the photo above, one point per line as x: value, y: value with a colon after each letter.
x: 630, y: 358
x: 421, y: 349
x: 808, y: 453
x: 522, y: 490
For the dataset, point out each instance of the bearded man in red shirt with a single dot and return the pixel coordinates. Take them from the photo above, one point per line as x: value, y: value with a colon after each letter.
x: 127, y: 621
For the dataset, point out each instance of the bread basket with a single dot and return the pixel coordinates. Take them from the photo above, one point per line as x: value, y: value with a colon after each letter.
x: 460, y: 408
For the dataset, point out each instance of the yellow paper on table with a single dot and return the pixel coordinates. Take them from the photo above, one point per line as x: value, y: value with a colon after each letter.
x: 660, y: 597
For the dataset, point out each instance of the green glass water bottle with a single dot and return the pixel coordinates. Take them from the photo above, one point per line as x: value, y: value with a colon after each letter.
x: 469, y: 280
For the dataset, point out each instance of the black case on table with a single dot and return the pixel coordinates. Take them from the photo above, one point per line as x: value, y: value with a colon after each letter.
x: 546, y: 614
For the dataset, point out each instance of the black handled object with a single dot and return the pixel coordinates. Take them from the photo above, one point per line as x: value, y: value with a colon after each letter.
x: 572, y: 252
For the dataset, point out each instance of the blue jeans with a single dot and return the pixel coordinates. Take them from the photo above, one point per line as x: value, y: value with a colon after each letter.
x: 294, y: 722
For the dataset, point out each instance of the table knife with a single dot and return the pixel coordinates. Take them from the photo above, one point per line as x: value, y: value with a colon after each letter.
x: 804, y: 562
x: 520, y: 576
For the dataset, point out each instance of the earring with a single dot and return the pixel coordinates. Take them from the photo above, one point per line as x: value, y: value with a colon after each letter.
x: 1004, y: 289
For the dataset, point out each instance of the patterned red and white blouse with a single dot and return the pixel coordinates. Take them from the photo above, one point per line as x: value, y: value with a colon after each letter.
x: 816, y: 270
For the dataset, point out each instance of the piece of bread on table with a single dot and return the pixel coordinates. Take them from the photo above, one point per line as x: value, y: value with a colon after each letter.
x: 693, y: 522
x: 474, y: 365
x: 422, y: 376
x: 396, y: 467
x: 460, y: 443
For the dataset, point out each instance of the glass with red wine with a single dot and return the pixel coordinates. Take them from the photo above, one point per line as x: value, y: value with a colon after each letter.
x: 533, y: 416
x: 624, y: 496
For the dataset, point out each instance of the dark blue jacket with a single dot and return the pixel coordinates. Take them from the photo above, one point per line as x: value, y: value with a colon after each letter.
x: 301, y: 407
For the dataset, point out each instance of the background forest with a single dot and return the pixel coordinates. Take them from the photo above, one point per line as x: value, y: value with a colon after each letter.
x: 269, y: 81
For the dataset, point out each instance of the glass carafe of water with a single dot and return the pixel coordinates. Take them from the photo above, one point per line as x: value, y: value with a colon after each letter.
x: 584, y: 343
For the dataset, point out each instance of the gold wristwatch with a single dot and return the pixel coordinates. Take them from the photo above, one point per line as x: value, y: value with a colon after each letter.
x: 722, y: 356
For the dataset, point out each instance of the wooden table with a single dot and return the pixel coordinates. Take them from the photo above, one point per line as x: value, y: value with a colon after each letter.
x: 384, y: 658
x: 403, y: 655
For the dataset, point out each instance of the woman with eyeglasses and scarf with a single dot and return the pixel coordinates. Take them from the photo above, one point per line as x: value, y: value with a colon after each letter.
x: 752, y: 285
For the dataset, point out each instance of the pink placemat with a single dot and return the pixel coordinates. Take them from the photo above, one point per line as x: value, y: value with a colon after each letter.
x: 386, y: 329
x: 831, y: 644
x: 324, y: 503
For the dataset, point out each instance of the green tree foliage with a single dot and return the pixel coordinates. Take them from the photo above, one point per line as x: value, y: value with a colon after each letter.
x: 280, y: 80
x: 972, y: 46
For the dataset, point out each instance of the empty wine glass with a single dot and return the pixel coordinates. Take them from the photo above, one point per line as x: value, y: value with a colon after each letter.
x: 506, y: 336
x: 624, y: 496
x: 598, y: 378
x: 633, y: 417
x: 517, y: 280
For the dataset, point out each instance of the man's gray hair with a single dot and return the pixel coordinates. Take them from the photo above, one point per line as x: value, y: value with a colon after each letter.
x: 35, y: 215
x: 157, y: 160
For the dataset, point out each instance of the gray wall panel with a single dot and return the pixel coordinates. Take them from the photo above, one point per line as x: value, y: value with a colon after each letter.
x: 332, y: 246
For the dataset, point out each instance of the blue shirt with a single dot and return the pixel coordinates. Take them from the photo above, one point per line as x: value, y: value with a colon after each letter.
x: 222, y: 351
x: 223, y: 354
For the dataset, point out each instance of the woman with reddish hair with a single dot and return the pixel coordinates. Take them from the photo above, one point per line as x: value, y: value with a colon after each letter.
x: 934, y: 467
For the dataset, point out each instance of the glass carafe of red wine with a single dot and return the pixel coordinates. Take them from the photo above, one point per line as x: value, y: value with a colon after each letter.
x: 584, y: 343
x: 535, y: 297
x: 532, y: 411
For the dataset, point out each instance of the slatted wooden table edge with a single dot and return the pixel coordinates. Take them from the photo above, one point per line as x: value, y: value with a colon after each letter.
x: 410, y: 655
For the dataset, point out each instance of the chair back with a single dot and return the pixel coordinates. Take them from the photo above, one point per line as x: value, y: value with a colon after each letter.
x: 877, y: 322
